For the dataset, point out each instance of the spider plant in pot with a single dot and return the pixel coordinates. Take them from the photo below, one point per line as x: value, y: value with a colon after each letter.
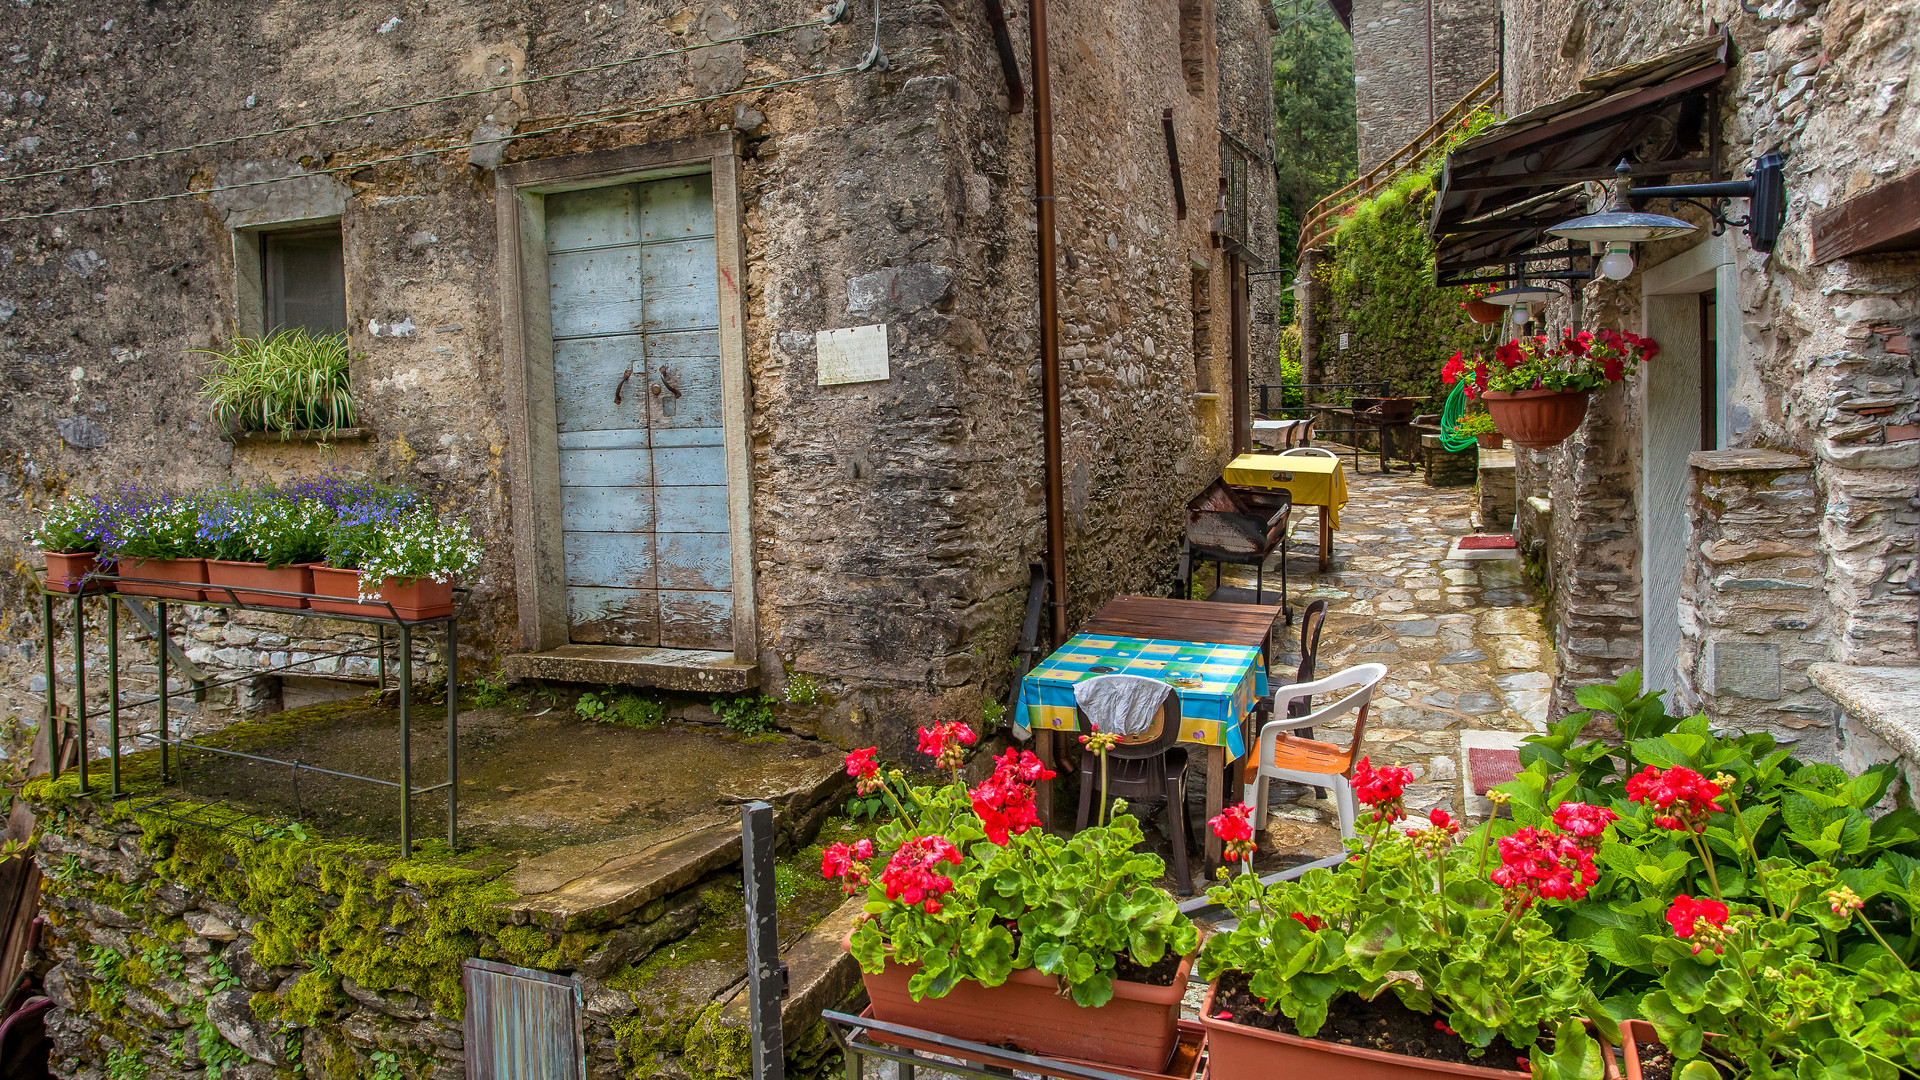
x: 69, y: 537
x: 291, y: 380
x: 981, y: 926
x: 1421, y: 955
x: 155, y: 539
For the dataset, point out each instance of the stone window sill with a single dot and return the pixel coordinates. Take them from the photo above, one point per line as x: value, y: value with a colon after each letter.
x: 252, y: 438
x: 1885, y: 700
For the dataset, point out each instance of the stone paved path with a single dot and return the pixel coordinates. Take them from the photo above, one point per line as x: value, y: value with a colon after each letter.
x: 1468, y: 660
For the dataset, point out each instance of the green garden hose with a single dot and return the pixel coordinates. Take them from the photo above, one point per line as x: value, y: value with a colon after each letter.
x: 1456, y: 407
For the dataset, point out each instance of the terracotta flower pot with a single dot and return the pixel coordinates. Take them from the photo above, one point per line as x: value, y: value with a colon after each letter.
x: 1482, y: 312
x: 1189, y: 1057
x: 332, y: 581
x: 1634, y: 1037
x: 191, y: 572
x: 1242, y: 1052
x: 417, y: 598
x: 1537, y: 419
x: 297, y: 578
x: 1492, y: 440
x: 67, y: 573
x: 1138, y: 1029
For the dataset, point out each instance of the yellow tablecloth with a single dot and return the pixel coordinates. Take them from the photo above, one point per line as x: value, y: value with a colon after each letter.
x: 1313, y: 480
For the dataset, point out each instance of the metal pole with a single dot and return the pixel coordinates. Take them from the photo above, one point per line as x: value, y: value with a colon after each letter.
x: 113, y: 696
x: 52, y: 723
x: 380, y: 659
x: 161, y: 641
x: 453, y: 730
x: 1049, y: 318
x: 767, y: 981
x: 80, y: 678
x: 406, y: 743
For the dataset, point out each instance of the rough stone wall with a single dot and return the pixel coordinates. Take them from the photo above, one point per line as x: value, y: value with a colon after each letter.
x: 893, y: 522
x: 1823, y: 365
x: 1405, y: 77
x: 1753, y: 611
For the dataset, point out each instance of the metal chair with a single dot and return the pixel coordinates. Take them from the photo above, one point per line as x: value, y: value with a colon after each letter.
x: 1229, y: 525
x: 1148, y: 764
x: 1282, y: 755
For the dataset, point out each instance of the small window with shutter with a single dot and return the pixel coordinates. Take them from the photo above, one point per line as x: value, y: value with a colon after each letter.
x: 304, y: 280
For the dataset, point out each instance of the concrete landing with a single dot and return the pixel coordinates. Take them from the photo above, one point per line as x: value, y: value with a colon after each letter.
x: 698, y: 670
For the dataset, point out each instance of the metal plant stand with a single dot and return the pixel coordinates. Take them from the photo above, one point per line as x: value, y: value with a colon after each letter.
x: 378, y: 613
x: 914, y: 1048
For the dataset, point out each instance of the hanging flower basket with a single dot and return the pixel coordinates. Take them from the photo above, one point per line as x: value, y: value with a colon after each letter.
x: 1537, y: 419
x: 1484, y: 313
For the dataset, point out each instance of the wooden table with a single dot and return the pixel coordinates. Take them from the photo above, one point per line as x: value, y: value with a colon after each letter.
x: 1192, y: 620
x: 1311, y: 479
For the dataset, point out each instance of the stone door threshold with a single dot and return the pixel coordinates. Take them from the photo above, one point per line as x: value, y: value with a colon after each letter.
x: 703, y: 670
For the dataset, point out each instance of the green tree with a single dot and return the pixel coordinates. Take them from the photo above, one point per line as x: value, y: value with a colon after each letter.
x: 1316, y: 133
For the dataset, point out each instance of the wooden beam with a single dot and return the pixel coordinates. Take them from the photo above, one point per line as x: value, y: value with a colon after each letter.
x: 1575, y: 176
x: 1886, y: 217
x: 1601, y: 114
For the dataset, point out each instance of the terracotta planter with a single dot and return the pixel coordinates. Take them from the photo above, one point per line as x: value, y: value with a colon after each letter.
x: 66, y: 573
x: 1240, y: 1052
x: 1138, y: 1029
x: 1537, y: 419
x: 191, y: 572
x: 1634, y: 1035
x: 1484, y: 313
x: 242, y: 576
x: 1492, y: 440
x: 330, y: 581
x: 418, y: 598
x: 1189, y: 1057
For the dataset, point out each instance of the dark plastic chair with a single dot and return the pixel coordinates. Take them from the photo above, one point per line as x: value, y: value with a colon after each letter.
x: 1151, y: 765
x: 1311, y: 620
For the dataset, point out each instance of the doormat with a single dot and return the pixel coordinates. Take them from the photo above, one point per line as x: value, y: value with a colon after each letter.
x: 1487, y: 542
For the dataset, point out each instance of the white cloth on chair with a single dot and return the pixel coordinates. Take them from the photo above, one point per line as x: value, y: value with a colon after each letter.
x: 1121, y: 704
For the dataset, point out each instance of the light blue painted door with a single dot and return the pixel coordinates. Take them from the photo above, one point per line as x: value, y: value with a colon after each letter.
x: 636, y: 364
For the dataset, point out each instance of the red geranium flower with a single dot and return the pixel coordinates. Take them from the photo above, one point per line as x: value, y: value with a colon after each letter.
x: 947, y: 742
x: 1004, y: 802
x: 1234, y: 827
x: 1582, y: 820
x: 1703, y: 920
x: 1536, y: 865
x: 910, y: 876
x: 1311, y: 922
x: 1681, y: 798
x: 1380, y: 788
x: 864, y: 770
x: 847, y: 863
x: 1452, y: 370
x: 1509, y: 354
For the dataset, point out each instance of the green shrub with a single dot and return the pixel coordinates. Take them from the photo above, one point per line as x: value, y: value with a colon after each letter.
x: 748, y: 714
x: 626, y: 710
x: 288, y: 381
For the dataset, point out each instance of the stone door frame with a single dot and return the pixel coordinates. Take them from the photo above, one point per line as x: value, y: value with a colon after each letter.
x: 1668, y: 403
x: 533, y: 457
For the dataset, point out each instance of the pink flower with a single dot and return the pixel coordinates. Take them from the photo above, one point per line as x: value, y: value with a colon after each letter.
x: 864, y: 770
x: 1234, y: 827
x: 847, y: 863
x: 946, y: 742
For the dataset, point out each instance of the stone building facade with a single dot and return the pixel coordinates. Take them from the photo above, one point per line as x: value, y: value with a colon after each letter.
x: 865, y: 170
x: 1412, y: 59
x: 1739, y: 526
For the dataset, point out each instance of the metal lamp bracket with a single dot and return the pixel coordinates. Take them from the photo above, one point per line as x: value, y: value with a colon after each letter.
x: 1716, y: 212
x: 1765, y: 192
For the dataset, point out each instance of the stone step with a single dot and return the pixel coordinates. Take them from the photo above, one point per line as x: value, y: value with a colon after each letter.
x: 820, y: 975
x: 611, y: 883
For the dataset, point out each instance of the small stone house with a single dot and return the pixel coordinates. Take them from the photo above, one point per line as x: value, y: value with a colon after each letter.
x: 1739, y: 522
x: 718, y: 322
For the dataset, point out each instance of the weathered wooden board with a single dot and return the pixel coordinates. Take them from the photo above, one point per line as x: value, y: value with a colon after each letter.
x: 521, y: 1023
x: 635, y: 309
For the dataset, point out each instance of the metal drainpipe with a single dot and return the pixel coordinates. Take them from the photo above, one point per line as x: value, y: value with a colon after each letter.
x: 1049, y: 318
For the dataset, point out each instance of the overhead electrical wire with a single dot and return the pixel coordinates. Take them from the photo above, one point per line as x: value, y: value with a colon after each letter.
x: 832, y: 15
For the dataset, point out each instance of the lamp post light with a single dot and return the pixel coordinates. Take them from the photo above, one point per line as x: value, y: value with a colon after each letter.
x: 1620, y: 226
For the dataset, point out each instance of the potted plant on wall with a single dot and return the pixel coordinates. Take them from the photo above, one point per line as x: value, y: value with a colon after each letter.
x: 1480, y: 427
x: 1536, y: 393
x: 291, y: 380
x: 390, y: 551
x: 69, y: 537
x: 262, y: 538
x: 1419, y: 956
x: 156, y: 536
x: 982, y: 927
x: 1756, y: 913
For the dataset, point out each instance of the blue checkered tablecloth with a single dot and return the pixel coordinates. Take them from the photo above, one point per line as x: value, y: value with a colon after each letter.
x: 1217, y: 684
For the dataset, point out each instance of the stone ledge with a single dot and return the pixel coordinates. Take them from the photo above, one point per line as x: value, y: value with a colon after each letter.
x: 301, y: 435
x: 1899, y: 455
x: 1746, y: 460
x: 700, y: 670
x: 1886, y: 700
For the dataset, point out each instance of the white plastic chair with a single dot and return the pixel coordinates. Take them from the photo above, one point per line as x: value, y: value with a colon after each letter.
x: 1279, y: 755
x: 1310, y: 451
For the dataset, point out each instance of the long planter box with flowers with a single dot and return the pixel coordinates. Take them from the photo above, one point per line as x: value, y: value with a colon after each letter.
x: 380, y: 549
x: 965, y: 869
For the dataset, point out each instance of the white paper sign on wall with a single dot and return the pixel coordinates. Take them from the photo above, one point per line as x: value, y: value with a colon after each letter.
x: 854, y: 355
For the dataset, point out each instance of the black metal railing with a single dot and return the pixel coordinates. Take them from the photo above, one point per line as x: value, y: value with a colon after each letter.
x: 379, y: 613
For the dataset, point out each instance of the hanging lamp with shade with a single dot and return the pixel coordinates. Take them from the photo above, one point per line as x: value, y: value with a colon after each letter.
x: 1620, y: 226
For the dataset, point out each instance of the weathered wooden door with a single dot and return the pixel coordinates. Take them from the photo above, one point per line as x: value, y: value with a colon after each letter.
x: 636, y: 364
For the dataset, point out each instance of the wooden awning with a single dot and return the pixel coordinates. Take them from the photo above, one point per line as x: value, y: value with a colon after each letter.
x: 1500, y: 190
